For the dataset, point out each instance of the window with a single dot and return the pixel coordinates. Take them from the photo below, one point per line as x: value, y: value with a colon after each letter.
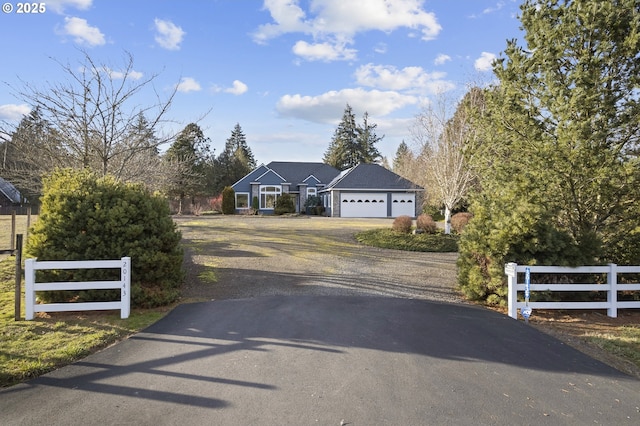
x: 312, y: 192
x: 242, y: 200
x: 268, y: 196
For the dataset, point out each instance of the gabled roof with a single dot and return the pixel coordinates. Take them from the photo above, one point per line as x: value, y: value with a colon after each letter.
x: 297, y: 173
x: 10, y: 192
x: 371, y: 177
x: 271, y: 176
x: 253, y: 175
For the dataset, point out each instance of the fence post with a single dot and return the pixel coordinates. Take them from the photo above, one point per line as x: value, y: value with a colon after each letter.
x: 13, y: 229
x: 125, y: 291
x: 29, y: 292
x: 612, y: 293
x: 511, y: 269
x: 18, y: 294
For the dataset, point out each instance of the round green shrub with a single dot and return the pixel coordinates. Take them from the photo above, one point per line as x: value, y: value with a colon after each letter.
x: 228, y: 200
x: 285, y: 204
x: 84, y: 217
x: 402, y: 224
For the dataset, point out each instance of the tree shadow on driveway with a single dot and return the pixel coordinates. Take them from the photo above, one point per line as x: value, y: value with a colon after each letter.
x: 307, y: 359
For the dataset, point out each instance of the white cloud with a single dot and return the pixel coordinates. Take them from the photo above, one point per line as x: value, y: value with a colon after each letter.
x: 323, y: 51
x: 328, y: 107
x: 413, y: 79
x: 238, y: 88
x: 119, y: 75
x: 441, y: 59
x: 336, y: 22
x: 485, y: 61
x: 82, y: 32
x: 13, y: 112
x: 188, y: 84
x: 380, y: 48
x: 59, y: 6
x: 169, y: 35
x: 493, y: 9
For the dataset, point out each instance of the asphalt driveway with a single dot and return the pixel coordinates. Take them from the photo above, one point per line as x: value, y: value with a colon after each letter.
x: 351, y: 351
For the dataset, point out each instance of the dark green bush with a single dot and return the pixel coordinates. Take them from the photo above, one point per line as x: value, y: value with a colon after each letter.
x: 507, y: 231
x: 402, y: 224
x: 285, y: 204
x: 387, y: 238
x: 255, y: 205
x: 436, y: 212
x: 88, y: 218
x: 228, y: 200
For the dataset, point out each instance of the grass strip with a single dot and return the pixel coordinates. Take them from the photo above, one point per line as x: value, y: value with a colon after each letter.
x: 390, y: 239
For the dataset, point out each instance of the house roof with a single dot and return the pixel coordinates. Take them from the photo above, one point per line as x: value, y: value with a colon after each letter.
x: 297, y: 173
x: 10, y: 192
x: 371, y: 177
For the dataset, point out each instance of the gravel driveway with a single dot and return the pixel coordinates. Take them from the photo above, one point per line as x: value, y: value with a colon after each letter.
x: 230, y: 257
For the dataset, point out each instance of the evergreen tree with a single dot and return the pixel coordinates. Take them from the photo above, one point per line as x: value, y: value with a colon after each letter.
x: 351, y: 143
x: 188, y: 156
x: 558, y: 165
x: 367, y: 140
x: 31, y: 151
x: 402, y: 160
x: 234, y: 162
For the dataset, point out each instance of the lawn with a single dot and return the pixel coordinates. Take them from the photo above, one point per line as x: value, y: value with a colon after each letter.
x: 31, y: 348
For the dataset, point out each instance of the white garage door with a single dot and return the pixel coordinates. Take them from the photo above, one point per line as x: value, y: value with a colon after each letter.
x: 403, y: 204
x: 363, y: 205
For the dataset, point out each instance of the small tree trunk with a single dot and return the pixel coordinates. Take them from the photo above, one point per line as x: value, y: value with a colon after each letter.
x: 447, y: 220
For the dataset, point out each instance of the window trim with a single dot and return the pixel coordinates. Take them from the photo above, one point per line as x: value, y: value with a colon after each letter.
x: 248, y: 200
x: 264, y: 193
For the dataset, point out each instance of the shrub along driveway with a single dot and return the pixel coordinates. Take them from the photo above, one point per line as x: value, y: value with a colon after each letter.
x: 248, y: 256
x: 325, y: 344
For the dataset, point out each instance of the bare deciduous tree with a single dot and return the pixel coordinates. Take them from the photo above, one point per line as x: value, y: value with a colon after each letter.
x: 93, y: 120
x: 442, y: 134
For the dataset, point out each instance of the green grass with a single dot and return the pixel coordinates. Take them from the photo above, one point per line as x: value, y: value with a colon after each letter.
x: 390, y: 239
x: 624, y: 342
x: 31, y: 348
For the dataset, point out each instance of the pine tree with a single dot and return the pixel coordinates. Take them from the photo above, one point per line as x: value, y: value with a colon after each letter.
x: 558, y: 165
x: 234, y: 162
x: 402, y: 160
x: 367, y: 140
x: 351, y: 143
x: 188, y: 157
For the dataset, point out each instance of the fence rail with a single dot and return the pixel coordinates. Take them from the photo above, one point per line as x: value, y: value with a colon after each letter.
x: 31, y: 286
x: 611, y: 287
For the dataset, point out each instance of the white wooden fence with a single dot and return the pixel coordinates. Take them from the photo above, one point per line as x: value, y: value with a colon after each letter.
x: 31, y: 287
x: 612, y: 287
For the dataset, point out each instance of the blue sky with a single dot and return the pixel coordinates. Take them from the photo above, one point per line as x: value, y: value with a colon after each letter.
x: 283, y: 69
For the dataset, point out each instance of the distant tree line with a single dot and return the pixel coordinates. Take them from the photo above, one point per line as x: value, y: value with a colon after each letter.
x: 92, y: 121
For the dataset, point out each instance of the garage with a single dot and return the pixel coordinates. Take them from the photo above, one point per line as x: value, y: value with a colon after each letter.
x: 363, y: 204
x: 403, y: 204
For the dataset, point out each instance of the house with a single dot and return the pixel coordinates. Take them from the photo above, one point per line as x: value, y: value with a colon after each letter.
x: 10, y: 198
x: 9, y: 194
x: 267, y: 183
x: 365, y: 190
x: 370, y: 190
